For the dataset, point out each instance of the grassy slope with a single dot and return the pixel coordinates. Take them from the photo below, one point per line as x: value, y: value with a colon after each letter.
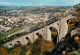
x: 2, y: 35
x: 10, y: 32
x: 14, y: 30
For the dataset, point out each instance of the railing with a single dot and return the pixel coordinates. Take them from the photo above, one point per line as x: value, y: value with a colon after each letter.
x: 51, y: 20
x: 47, y: 23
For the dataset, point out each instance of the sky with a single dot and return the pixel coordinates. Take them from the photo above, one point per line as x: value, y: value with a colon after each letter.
x: 39, y: 2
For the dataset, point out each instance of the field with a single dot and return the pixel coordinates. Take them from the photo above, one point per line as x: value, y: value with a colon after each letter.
x: 10, y: 32
x: 2, y: 35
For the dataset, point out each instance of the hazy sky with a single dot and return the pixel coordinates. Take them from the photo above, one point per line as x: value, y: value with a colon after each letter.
x: 39, y: 2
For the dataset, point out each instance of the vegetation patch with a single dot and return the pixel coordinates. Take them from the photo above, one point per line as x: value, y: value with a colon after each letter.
x: 2, y: 35
x: 13, y: 30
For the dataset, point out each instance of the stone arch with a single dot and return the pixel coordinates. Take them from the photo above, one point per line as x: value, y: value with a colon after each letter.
x: 67, y: 21
x: 54, y: 34
x: 39, y: 35
x: 8, y: 45
x: 11, y: 44
x: 48, y: 31
x: 41, y: 32
x: 18, y: 43
x: 27, y: 38
x: 31, y: 37
x: 29, y: 41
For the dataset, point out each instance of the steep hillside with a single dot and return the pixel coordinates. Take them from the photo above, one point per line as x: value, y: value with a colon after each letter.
x: 69, y: 45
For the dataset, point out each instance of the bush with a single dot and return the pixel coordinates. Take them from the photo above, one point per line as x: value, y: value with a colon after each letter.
x: 23, y: 51
x: 35, y: 48
x: 46, y: 46
x: 40, y: 46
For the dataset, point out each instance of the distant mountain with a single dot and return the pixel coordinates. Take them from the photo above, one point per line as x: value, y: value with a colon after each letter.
x: 35, y: 9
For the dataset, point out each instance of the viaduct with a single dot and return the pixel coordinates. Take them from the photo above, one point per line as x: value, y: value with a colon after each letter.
x: 60, y: 24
